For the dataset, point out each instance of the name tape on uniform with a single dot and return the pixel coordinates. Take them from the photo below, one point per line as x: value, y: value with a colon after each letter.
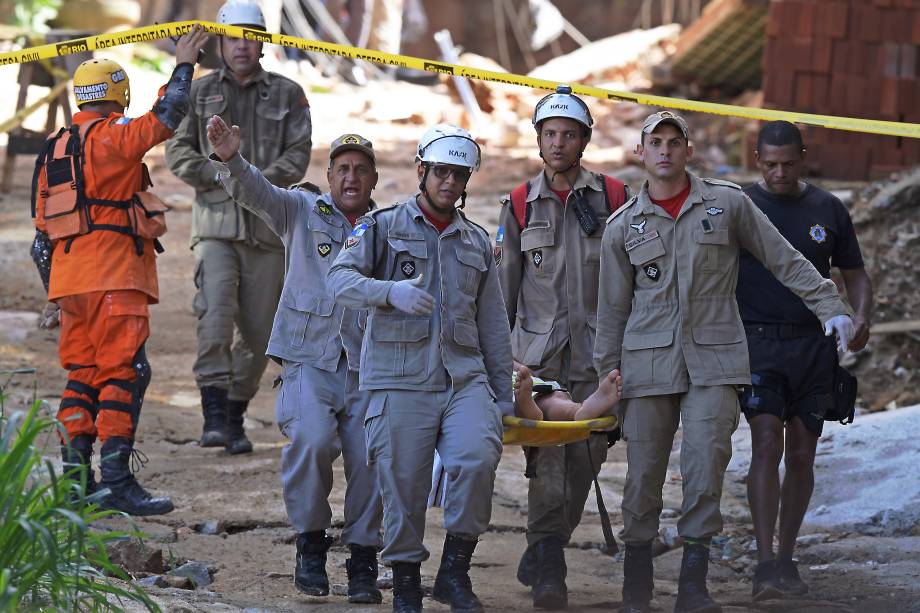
x: 156, y: 32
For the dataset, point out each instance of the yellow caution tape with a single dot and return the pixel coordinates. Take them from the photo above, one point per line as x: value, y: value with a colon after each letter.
x: 534, y: 433
x: 156, y: 32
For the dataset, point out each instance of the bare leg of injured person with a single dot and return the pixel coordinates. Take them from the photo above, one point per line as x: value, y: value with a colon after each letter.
x: 558, y: 405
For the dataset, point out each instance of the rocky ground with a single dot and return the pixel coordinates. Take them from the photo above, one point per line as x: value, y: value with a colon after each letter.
x: 230, y: 516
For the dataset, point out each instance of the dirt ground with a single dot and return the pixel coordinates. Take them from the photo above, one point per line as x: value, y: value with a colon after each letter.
x: 252, y: 553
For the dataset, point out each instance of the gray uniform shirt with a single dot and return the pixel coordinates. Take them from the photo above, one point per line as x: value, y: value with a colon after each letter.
x: 466, y: 338
x: 309, y: 326
x: 274, y: 121
x: 667, y: 314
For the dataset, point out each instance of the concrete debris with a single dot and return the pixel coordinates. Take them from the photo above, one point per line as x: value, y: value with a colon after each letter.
x: 197, y: 572
x: 136, y: 556
x: 892, y: 523
x: 625, y: 59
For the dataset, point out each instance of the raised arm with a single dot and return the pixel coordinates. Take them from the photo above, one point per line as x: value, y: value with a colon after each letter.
x: 248, y: 187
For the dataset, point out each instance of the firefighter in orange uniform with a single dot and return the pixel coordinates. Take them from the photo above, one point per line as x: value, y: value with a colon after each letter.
x: 96, y: 252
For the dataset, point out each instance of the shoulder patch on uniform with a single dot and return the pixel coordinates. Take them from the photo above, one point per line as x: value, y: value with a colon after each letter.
x: 623, y: 208
x: 122, y: 121
x: 712, y: 181
x: 307, y: 187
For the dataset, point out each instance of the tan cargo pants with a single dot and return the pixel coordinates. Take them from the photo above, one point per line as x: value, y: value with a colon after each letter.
x: 709, y: 416
x: 238, y: 290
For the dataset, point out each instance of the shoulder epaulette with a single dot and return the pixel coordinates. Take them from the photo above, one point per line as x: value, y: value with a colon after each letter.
x: 370, y: 218
x: 307, y: 187
x: 474, y: 224
x: 712, y: 181
x: 623, y: 208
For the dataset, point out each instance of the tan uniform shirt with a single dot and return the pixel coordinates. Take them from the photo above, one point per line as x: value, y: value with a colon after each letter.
x: 463, y: 340
x: 274, y: 120
x: 549, y: 275
x: 667, y: 309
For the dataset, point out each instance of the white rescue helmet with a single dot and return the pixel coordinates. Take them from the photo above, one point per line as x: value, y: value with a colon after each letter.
x: 447, y: 144
x: 241, y: 13
x: 563, y: 103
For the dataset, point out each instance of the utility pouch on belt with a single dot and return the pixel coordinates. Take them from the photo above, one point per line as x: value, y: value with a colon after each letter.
x: 148, y: 215
x: 845, y: 388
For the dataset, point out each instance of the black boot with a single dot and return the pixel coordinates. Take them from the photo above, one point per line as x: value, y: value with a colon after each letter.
x: 214, y: 410
x: 362, y: 576
x: 637, y: 578
x: 527, y: 566
x: 549, y: 590
x: 766, y: 583
x: 452, y: 585
x: 78, y: 462
x: 127, y: 495
x: 310, y: 575
x: 236, y: 434
x: 407, y: 587
x: 692, y: 595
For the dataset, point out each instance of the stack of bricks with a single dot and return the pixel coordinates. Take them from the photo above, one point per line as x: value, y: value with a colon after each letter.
x: 856, y: 58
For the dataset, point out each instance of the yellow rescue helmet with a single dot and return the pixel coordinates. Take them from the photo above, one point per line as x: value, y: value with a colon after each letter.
x: 99, y: 79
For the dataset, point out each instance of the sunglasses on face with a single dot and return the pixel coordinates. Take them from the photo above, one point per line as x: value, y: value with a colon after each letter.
x: 461, y: 175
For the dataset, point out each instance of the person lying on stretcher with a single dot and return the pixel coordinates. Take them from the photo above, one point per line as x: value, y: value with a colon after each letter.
x: 537, y: 399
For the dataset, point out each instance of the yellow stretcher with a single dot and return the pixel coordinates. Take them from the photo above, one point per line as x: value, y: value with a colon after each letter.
x: 534, y: 433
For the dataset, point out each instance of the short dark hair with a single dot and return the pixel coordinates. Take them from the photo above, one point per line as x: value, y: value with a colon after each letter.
x: 780, y: 134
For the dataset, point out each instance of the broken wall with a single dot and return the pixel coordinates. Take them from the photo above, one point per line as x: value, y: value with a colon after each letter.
x: 856, y: 58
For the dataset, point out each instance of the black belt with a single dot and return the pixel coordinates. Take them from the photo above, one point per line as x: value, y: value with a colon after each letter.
x: 783, y: 331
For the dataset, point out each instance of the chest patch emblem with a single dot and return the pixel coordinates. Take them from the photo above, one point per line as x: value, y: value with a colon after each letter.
x: 714, y: 210
x: 324, y: 249
x: 639, y: 227
x: 652, y: 271
x: 211, y: 99
x: 537, y: 257
x: 407, y: 268
x: 325, y: 209
x: 818, y: 233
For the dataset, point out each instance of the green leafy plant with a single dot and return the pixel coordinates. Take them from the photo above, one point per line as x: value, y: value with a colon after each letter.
x: 32, y: 14
x: 50, y: 557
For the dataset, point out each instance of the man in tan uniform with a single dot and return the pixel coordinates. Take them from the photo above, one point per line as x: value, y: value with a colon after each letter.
x: 437, y: 363
x: 240, y: 261
x: 548, y: 253
x: 668, y: 319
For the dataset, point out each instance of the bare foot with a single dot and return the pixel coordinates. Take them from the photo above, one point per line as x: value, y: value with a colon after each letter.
x: 524, y: 405
x: 604, y: 399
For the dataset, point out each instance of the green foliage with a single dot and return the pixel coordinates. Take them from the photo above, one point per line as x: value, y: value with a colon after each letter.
x: 32, y: 14
x: 50, y: 558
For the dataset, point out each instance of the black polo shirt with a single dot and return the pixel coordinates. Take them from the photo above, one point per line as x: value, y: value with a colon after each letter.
x: 817, y: 224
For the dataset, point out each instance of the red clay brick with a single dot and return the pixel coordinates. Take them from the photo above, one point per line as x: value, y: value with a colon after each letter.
x: 803, y: 100
x: 867, y: 23
x: 821, y: 51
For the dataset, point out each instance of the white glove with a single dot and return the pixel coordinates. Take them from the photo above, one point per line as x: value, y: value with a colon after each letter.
x: 407, y: 297
x: 842, y: 326
x: 50, y: 317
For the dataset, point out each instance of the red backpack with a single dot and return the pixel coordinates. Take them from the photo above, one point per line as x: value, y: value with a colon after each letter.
x: 615, y: 193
